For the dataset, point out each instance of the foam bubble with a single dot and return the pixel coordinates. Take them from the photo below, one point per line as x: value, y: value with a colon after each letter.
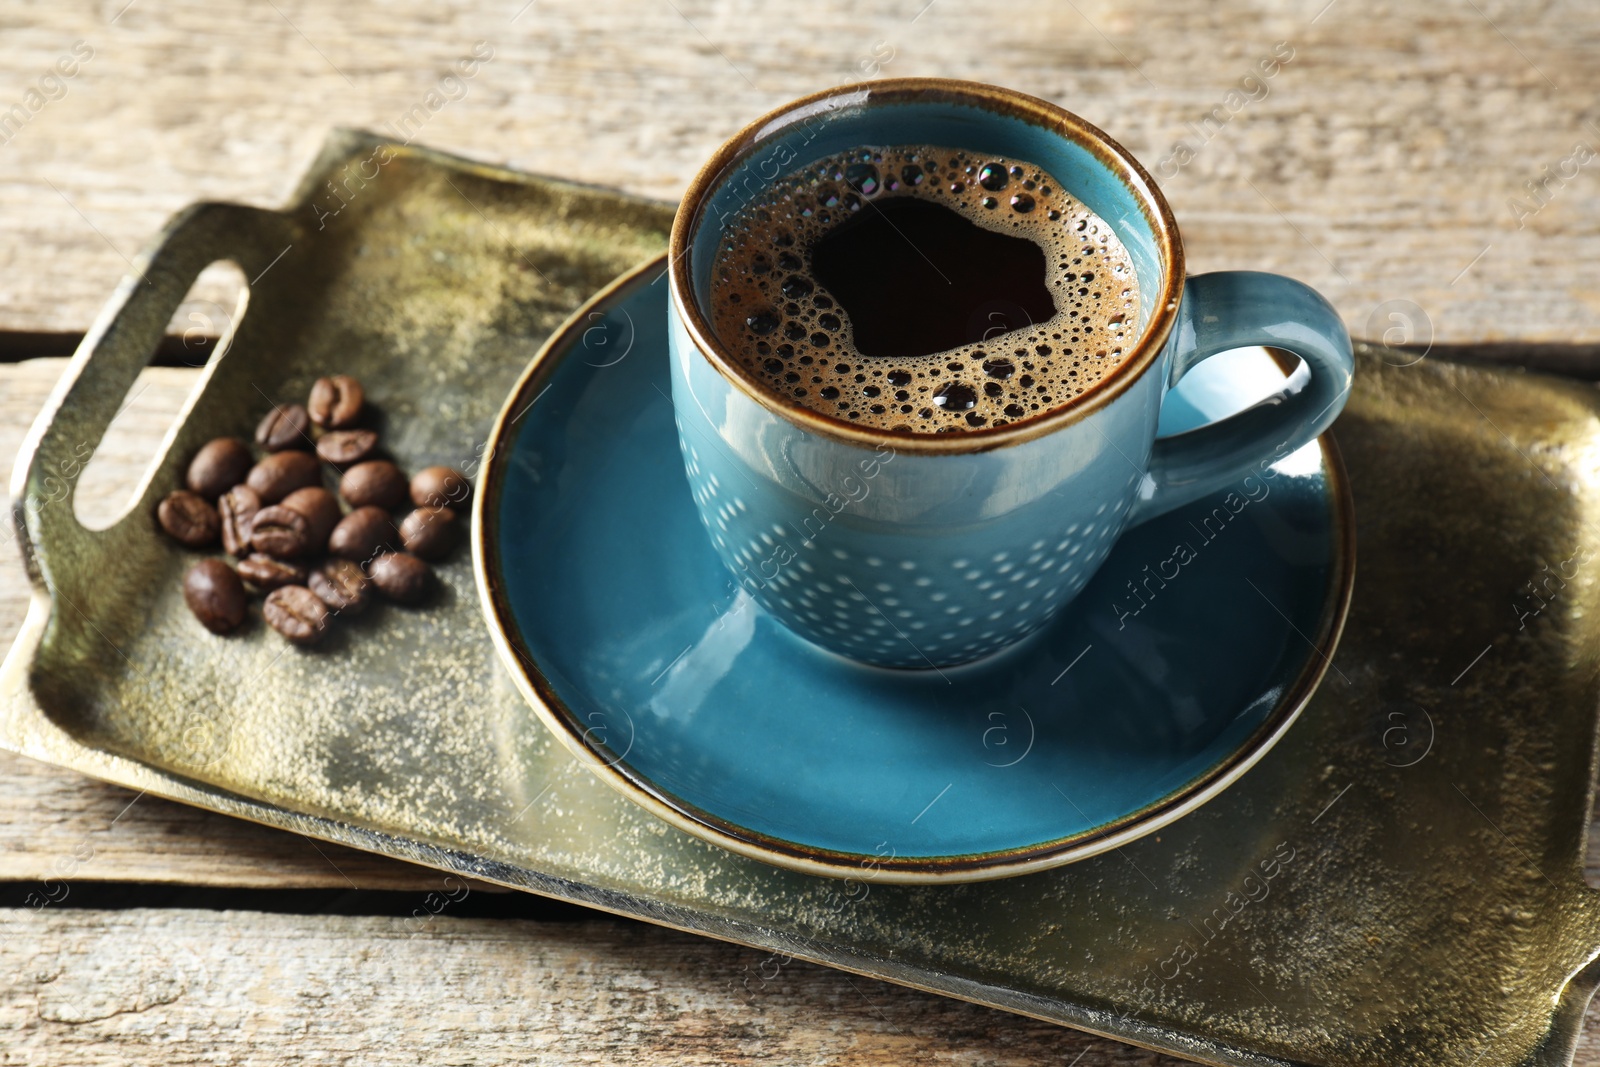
x: 784, y: 325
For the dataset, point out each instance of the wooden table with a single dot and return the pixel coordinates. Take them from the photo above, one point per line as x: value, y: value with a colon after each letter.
x: 1386, y: 161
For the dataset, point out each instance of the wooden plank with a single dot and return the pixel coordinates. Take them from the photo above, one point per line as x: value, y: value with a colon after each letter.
x: 1378, y: 163
x: 175, y: 987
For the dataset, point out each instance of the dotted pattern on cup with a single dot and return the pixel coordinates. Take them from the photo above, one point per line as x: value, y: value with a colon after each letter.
x: 942, y: 608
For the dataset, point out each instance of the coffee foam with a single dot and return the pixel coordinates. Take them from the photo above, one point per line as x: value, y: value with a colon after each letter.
x: 796, y: 339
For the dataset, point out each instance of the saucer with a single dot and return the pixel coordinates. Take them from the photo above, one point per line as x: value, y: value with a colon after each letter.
x: 1184, y: 660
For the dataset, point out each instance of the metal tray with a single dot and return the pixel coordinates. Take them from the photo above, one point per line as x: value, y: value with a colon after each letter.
x: 1399, y: 880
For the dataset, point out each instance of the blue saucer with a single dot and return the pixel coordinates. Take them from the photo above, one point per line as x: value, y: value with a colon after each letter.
x: 1183, y: 661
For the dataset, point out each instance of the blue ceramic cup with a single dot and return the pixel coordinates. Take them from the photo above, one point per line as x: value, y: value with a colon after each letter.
x: 925, y: 550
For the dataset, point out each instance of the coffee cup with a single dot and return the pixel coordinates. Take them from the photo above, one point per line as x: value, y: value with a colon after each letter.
x: 898, y: 447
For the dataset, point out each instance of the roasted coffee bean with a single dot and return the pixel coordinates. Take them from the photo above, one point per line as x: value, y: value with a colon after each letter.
x: 336, y: 402
x: 188, y: 518
x: 400, y: 576
x: 430, y: 532
x: 296, y: 613
x: 285, y: 426
x: 236, y: 509
x: 220, y: 465
x: 321, y: 509
x: 282, y: 473
x: 362, y: 534
x: 266, y: 573
x: 215, y: 595
x: 342, y: 585
x: 344, y: 447
x: 281, y: 532
x: 440, y: 487
x: 377, y: 483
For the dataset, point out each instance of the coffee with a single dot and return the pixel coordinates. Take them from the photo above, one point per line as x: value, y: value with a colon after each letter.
x: 220, y: 465
x: 215, y: 595
x: 439, y: 487
x: 341, y: 448
x: 268, y: 573
x: 335, y: 402
x: 400, y: 576
x: 923, y: 289
x: 280, y: 522
x: 342, y: 585
x: 286, y: 426
x: 374, y: 483
x: 429, y: 533
x: 187, y: 518
x: 362, y: 534
x: 281, y: 473
x: 237, y: 509
x: 297, y: 613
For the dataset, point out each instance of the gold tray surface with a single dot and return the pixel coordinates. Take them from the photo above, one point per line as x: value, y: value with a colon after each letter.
x: 1399, y: 880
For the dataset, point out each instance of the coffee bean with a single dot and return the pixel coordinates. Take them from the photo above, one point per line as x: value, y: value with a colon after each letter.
x: 284, y: 427
x: 344, y: 447
x: 236, y: 509
x: 281, y: 532
x: 342, y: 585
x: 440, y: 487
x: 215, y: 595
x: 188, y: 518
x: 296, y: 613
x: 430, y: 532
x: 282, y: 473
x: 377, y: 483
x: 336, y: 402
x: 321, y: 509
x: 220, y: 465
x: 362, y: 534
x: 400, y: 576
x: 266, y: 573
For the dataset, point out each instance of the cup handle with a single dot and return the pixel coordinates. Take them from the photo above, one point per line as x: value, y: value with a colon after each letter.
x: 1236, y: 309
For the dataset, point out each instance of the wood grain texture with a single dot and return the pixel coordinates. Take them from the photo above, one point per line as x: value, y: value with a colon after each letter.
x: 225, y: 988
x: 1378, y: 163
x: 214, y: 988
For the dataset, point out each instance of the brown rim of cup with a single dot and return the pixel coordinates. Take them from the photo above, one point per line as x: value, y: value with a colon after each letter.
x: 1158, y: 216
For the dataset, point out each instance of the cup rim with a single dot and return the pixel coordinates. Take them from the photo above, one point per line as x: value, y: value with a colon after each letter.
x: 1152, y: 204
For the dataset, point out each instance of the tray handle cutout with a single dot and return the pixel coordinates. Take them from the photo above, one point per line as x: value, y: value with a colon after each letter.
x: 107, y: 363
x: 114, y: 478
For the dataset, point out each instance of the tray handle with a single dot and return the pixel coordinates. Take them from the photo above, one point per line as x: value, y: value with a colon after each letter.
x: 116, y: 348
